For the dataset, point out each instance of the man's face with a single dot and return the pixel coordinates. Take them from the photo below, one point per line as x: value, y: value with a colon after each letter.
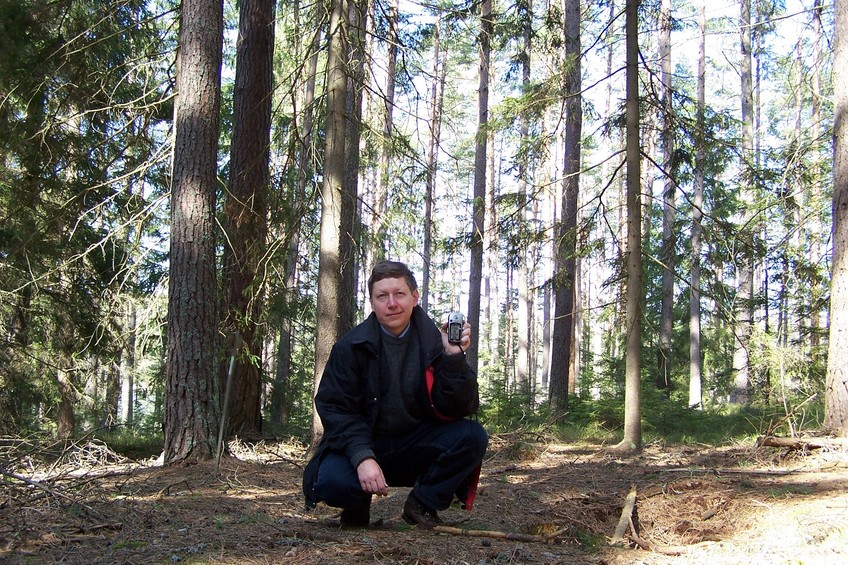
x: 392, y: 301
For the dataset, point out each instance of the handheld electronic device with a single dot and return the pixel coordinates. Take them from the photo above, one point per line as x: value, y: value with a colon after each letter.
x: 455, y: 322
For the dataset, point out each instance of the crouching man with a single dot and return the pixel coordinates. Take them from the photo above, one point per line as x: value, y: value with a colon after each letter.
x: 392, y: 399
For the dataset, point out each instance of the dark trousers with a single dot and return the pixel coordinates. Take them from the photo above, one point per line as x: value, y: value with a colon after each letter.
x: 434, y: 458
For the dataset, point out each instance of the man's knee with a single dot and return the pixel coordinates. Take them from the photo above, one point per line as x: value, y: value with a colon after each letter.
x: 337, y: 483
x: 475, y: 437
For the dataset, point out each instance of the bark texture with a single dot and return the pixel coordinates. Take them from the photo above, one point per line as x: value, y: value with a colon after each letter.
x: 192, y: 392
x: 836, y: 385
x: 246, y: 212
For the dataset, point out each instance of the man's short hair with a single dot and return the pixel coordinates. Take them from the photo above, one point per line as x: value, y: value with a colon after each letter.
x: 391, y: 270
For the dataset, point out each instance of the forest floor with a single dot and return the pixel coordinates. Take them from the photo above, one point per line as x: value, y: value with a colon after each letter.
x: 539, y: 502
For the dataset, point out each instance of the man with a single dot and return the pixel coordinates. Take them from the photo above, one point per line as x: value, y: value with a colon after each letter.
x: 392, y: 401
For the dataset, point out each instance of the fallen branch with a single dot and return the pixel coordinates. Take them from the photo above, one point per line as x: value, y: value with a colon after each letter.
x: 496, y: 534
x: 788, y: 442
x: 39, y: 485
x: 626, y: 516
x: 47, y: 490
x: 719, y: 471
x: 166, y: 490
x: 88, y: 529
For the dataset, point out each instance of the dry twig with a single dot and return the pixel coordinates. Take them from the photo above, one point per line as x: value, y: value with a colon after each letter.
x: 497, y: 534
x: 626, y: 516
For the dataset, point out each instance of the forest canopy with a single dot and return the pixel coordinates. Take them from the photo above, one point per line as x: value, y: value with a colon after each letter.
x: 376, y: 142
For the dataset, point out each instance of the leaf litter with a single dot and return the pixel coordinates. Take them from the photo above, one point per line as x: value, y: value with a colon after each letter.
x: 538, y: 502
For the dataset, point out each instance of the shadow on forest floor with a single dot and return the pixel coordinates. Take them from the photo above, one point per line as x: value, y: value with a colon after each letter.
x: 559, y: 504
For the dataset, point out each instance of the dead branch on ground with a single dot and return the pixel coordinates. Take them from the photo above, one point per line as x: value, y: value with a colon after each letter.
x: 794, y: 443
x: 626, y: 516
x: 531, y: 538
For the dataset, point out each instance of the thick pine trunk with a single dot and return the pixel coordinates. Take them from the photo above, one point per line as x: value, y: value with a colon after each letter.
x: 246, y: 212
x: 192, y: 392
x: 836, y: 385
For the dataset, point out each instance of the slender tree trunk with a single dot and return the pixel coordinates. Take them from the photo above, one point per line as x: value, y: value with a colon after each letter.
x: 246, y: 214
x: 192, y: 394
x: 549, y: 218
x: 128, y: 369
x: 492, y: 250
x: 836, y: 385
x: 351, y: 213
x: 281, y: 391
x: 478, y: 205
x: 112, y: 400
x: 814, y: 225
x: 669, y: 240
x: 524, y: 11
x: 437, y: 95
x: 576, y: 343
x: 695, y: 358
x: 66, y: 419
x: 378, y: 251
x: 633, y: 361
x: 745, y: 285
x: 565, y: 289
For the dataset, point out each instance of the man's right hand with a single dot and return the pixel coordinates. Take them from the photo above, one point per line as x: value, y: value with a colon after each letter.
x: 371, y: 478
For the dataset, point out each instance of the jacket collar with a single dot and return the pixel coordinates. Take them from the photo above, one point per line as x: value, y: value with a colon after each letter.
x: 368, y: 333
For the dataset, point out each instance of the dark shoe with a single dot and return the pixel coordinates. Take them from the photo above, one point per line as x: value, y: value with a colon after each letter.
x: 355, y: 517
x: 419, y: 515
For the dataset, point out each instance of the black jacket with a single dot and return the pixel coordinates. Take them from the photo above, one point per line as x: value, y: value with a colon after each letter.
x: 348, y: 398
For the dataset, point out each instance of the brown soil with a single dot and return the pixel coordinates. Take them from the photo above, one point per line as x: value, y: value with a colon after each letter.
x: 730, y: 504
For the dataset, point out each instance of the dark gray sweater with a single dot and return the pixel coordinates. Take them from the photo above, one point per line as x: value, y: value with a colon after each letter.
x: 400, y: 380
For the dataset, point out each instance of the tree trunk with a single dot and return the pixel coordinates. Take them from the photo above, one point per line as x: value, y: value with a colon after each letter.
x: 378, y: 250
x: 128, y: 368
x: 695, y: 358
x: 112, y: 399
x: 66, y: 419
x: 281, y: 393
x: 437, y: 96
x: 478, y: 205
x: 668, y: 239
x: 246, y: 213
x: 493, y: 267
x: 633, y: 308
x: 192, y: 393
x: 814, y: 225
x: 744, y: 304
x: 565, y: 290
x: 525, y: 282
x: 546, y: 337
x: 351, y: 213
x: 328, y: 309
x: 836, y: 385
